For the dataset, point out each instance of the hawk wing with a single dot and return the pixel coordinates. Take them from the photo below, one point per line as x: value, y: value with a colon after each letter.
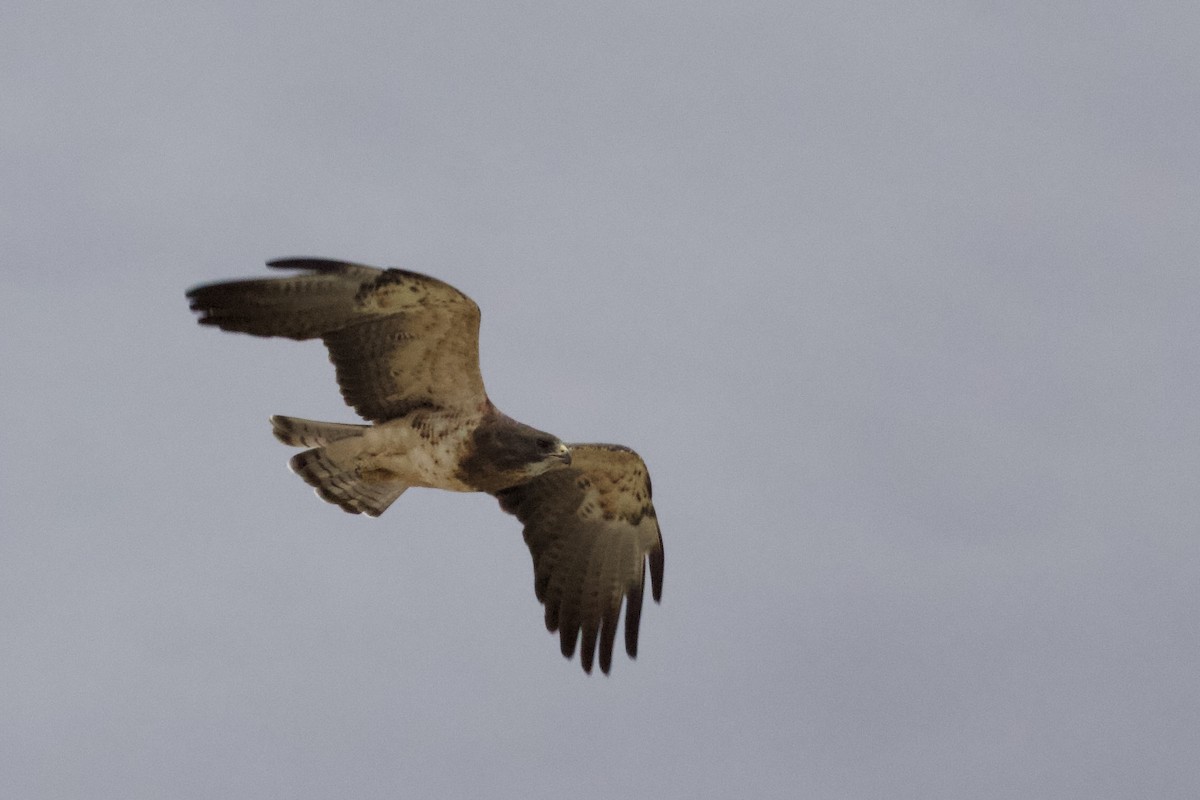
x: 590, y: 528
x: 399, y: 340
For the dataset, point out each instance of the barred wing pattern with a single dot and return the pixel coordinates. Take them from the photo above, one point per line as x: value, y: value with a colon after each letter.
x: 402, y: 342
x: 399, y: 340
x: 590, y: 529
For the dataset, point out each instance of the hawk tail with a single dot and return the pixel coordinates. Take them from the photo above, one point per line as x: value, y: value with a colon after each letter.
x: 310, y: 433
x: 331, y: 468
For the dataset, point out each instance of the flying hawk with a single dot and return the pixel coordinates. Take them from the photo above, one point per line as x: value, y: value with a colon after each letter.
x: 406, y: 350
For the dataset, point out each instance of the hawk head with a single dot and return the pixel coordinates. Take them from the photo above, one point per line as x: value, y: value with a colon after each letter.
x: 504, y: 452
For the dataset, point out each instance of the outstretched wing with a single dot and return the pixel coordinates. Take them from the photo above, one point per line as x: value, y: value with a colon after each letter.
x: 399, y: 340
x: 590, y: 528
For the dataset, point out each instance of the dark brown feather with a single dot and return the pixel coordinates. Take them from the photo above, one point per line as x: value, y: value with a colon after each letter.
x: 590, y: 529
x: 399, y: 340
x: 406, y: 350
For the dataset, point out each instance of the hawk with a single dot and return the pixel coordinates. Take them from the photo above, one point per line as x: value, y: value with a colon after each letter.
x: 405, y: 348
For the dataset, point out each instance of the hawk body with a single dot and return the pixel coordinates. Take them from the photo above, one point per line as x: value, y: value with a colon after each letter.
x: 358, y: 466
x: 405, y: 348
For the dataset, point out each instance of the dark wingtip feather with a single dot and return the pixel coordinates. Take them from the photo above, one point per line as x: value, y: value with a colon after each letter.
x: 587, y: 648
x: 608, y: 633
x: 303, y: 262
x: 633, y: 617
x: 656, y: 572
x: 567, y: 639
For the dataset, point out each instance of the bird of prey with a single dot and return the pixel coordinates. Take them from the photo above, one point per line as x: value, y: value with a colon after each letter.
x: 405, y: 348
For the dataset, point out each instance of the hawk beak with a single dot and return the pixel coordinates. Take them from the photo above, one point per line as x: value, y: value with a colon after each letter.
x: 564, y: 453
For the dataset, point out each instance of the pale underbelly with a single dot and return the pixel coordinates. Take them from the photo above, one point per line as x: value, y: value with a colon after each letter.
x: 397, y: 452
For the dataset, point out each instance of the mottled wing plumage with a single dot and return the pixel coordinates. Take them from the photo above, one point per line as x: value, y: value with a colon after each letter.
x: 590, y: 529
x: 304, y: 306
x: 399, y: 340
x: 406, y: 350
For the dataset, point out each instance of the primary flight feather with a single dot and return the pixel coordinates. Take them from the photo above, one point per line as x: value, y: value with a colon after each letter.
x: 405, y: 347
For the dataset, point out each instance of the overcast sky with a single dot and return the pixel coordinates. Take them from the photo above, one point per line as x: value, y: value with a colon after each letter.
x: 898, y: 302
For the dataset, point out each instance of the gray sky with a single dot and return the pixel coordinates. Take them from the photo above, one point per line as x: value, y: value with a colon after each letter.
x: 898, y: 302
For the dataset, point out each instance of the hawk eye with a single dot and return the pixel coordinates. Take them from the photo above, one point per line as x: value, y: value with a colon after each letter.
x: 545, y: 445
